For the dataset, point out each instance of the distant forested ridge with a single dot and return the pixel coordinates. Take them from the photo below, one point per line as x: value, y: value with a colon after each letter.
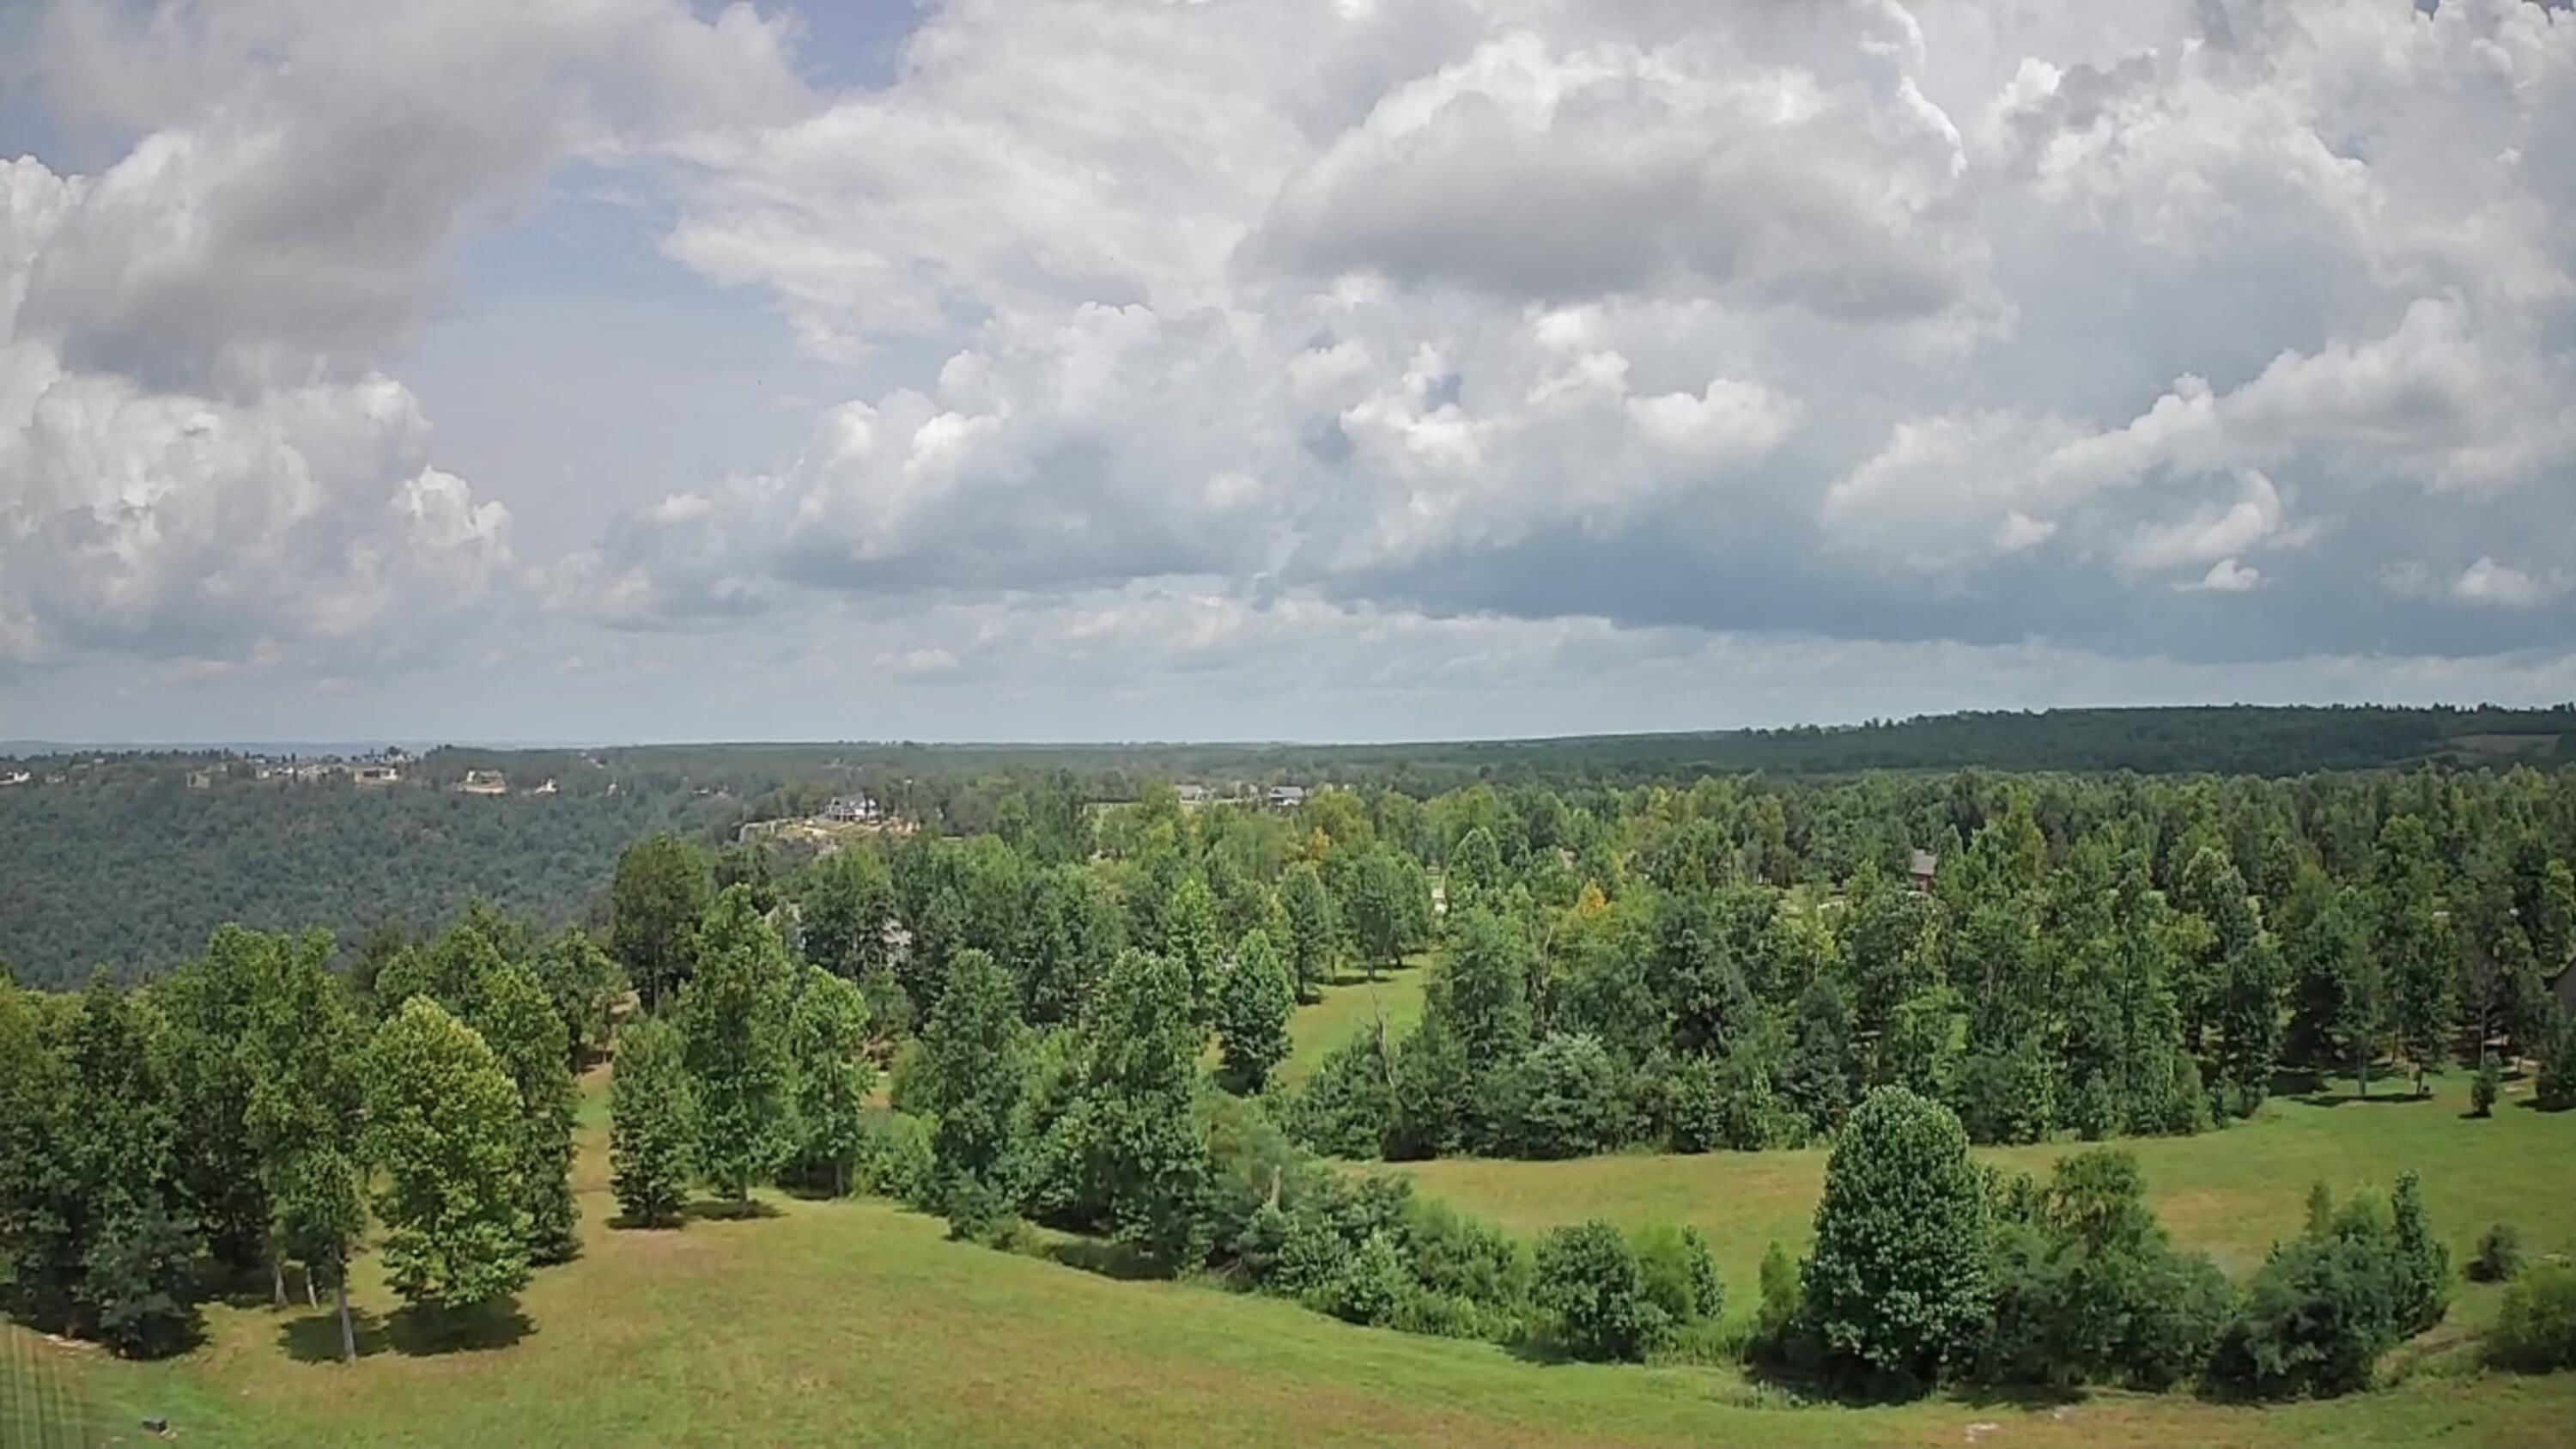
x: 131, y: 873
x: 129, y: 861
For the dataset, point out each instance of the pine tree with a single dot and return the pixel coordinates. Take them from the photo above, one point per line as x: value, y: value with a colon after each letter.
x: 1252, y: 1014
x: 652, y: 1124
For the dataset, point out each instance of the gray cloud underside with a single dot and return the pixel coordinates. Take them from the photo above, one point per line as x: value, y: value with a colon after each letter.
x: 2212, y: 335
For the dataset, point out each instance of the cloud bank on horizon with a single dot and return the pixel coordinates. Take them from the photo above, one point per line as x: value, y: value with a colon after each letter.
x: 1313, y: 368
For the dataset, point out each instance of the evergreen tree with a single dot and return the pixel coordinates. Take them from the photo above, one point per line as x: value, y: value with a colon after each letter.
x: 652, y: 1124
x: 733, y: 1016
x: 444, y: 1132
x: 1819, y: 1076
x: 1252, y: 1014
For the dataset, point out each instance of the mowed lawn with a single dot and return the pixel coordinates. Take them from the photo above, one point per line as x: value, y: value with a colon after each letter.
x: 855, y: 1323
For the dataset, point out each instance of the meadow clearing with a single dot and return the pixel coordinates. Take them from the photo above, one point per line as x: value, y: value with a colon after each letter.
x: 856, y: 1322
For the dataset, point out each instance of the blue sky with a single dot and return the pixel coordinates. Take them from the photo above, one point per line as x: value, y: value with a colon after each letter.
x: 1321, y: 369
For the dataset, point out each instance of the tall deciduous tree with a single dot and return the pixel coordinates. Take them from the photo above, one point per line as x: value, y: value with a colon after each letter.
x: 138, y: 1241
x: 1252, y: 1014
x: 652, y: 1124
x: 443, y: 1131
x: 301, y: 1055
x: 516, y: 1021
x: 827, y: 1035
x: 974, y: 1075
x: 584, y: 983
x: 1190, y: 940
x: 1475, y: 876
x: 654, y: 903
x: 1146, y: 1157
x: 1314, y: 936
x: 1897, y: 1286
x: 2413, y: 938
x: 848, y: 902
x: 733, y: 1015
x: 1375, y: 905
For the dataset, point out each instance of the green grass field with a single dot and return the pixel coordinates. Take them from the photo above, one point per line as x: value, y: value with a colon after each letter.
x: 1350, y: 1007
x: 855, y: 1323
x: 2232, y: 1193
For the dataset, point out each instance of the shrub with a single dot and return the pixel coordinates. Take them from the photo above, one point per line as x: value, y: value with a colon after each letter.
x: 1773, y: 1321
x: 895, y: 1160
x: 1677, y: 1274
x: 2499, y: 1254
x: 1456, y: 1257
x: 905, y: 1090
x: 1371, y: 1284
x: 2535, y: 1331
x: 2485, y: 1086
x: 1590, y: 1285
x: 1693, y: 1112
x: 2316, y: 1317
x: 1346, y: 1104
x: 1570, y: 1092
x: 1898, y: 1285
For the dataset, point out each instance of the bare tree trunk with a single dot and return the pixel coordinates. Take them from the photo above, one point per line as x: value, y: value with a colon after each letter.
x: 840, y: 1178
x: 310, y: 1301
x: 276, y: 1272
x: 348, y: 1335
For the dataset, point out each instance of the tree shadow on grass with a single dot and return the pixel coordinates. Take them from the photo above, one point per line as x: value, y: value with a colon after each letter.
x: 2532, y: 1104
x: 1109, y: 1260
x: 315, y: 1337
x: 2401, y: 1094
x: 425, y: 1333
x: 727, y: 1210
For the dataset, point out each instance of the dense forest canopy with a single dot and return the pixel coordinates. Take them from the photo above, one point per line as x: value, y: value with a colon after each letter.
x: 118, y: 863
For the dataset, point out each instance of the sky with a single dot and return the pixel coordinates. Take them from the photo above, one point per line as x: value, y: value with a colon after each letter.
x: 1274, y: 369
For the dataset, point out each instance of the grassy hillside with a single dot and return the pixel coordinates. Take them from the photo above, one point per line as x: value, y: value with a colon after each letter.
x: 853, y: 1322
x: 2231, y: 1193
